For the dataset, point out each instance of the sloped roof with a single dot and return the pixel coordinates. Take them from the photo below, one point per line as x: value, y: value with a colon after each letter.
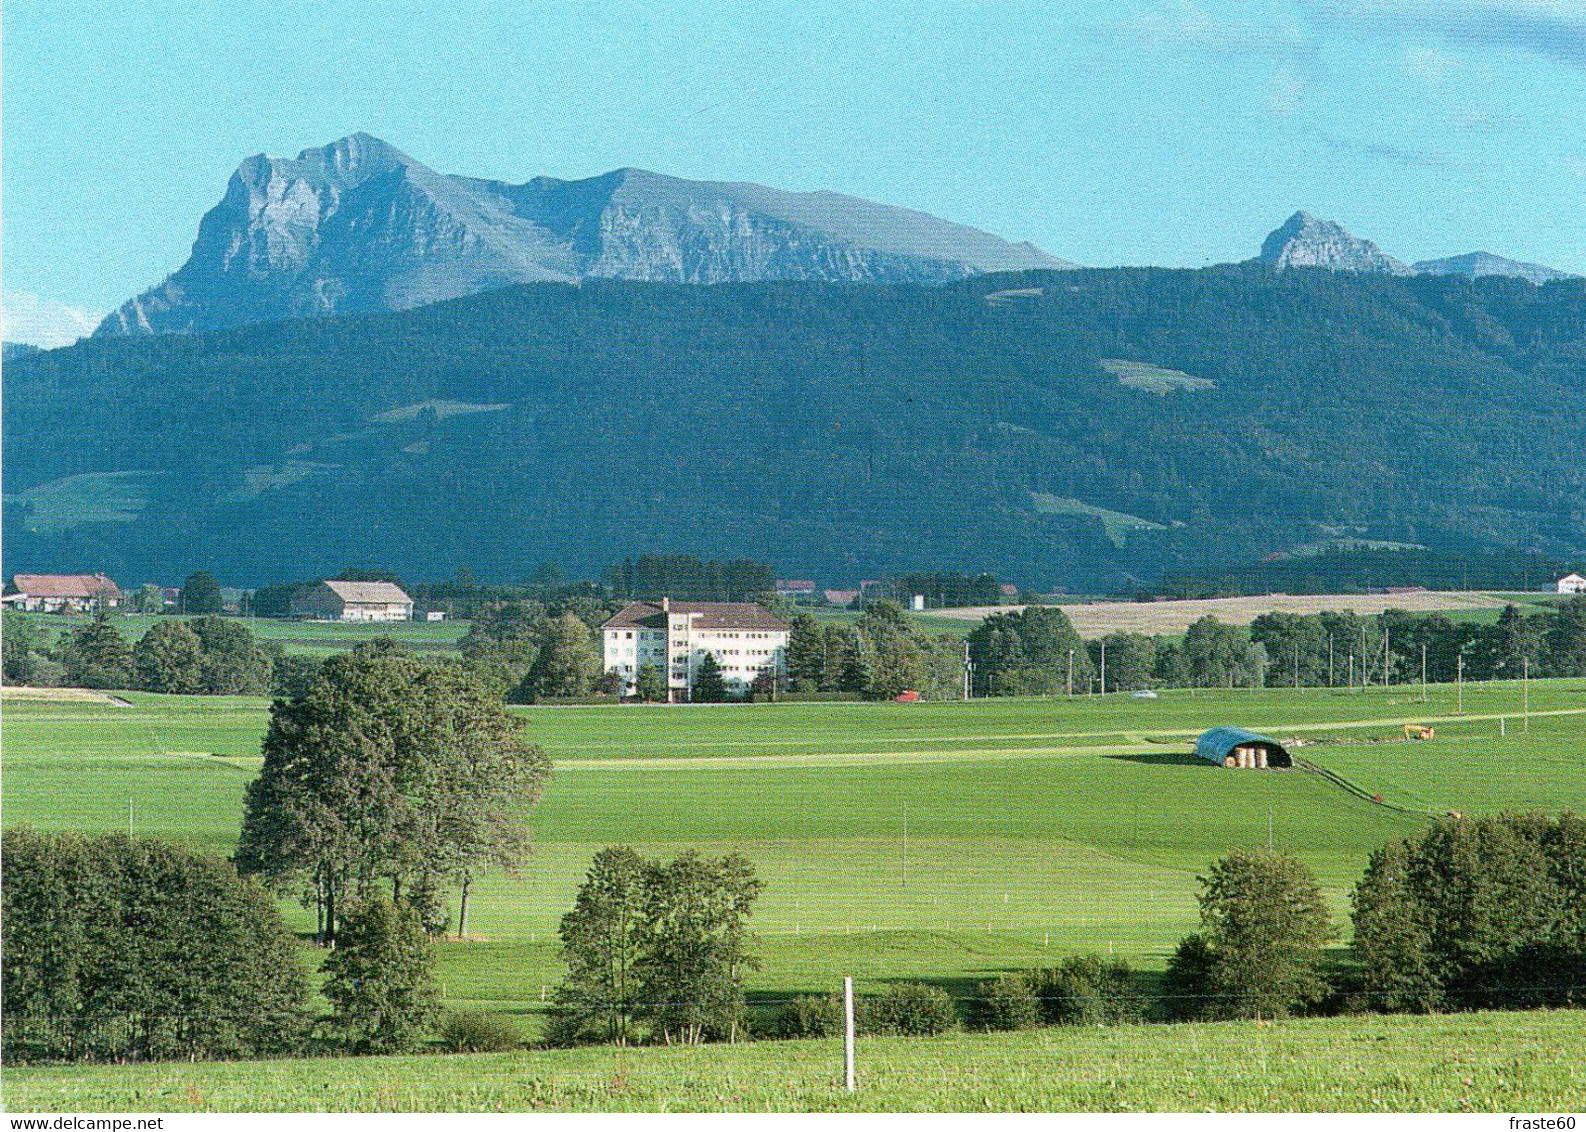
x: 707, y: 615
x: 369, y: 592
x: 66, y: 585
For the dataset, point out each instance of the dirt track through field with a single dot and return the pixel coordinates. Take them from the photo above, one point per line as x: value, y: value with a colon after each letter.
x: 1098, y: 618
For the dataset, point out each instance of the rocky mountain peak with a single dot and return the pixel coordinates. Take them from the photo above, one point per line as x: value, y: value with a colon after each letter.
x: 358, y: 225
x: 1304, y: 240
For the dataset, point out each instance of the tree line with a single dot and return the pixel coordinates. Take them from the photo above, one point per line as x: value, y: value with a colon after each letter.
x: 1037, y: 652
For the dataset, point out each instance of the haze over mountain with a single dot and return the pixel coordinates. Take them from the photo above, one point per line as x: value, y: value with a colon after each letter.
x: 358, y: 225
x: 1082, y: 428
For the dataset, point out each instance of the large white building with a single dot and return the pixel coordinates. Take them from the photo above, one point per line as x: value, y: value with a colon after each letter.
x: 1572, y: 584
x: 746, y: 639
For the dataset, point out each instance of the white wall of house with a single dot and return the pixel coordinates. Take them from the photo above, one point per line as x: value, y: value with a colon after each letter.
x: 678, y: 650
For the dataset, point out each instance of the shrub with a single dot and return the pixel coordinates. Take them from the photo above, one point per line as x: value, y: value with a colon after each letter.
x: 381, y: 983
x: 477, y: 1031
x: 1259, y: 953
x: 909, y: 1009
x: 811, y: 1016
x: 1088, y: 990
x: 1007, y: 1002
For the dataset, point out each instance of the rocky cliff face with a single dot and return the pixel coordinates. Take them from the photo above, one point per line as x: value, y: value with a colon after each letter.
x: 1305, y: 241
x: 358, y: 225
x: 1485, y: 263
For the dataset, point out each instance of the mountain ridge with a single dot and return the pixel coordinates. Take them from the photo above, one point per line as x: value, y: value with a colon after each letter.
x: 357, y: 225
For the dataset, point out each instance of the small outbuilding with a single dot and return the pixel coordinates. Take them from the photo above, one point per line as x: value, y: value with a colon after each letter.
x: 1236, y: 747
x: 1572, y: 584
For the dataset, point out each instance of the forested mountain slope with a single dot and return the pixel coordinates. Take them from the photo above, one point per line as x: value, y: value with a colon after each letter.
x: 1079, y: 428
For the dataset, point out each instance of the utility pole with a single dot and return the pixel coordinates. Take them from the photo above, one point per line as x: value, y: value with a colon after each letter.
x: 1071, y: 673
x: 905, y: 845
x: 1423, y: 672
x: 1104, y: 666
x: 1525, y: 693
x: 1296, y: 667
x: 968, y: 668
x: 1460, y: 678
x: 1329, y: 660
x: 1351, y: 672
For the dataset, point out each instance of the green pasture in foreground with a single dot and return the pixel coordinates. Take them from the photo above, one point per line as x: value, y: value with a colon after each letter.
x: 1473, y: 1062
x: 942, y: 841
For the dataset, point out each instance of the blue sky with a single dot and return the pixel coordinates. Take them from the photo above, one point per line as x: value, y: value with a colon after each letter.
x: 1158, y: 131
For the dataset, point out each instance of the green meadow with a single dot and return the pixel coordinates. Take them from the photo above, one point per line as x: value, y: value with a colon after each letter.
x: 1466, y: 1063
x: 944, y: 842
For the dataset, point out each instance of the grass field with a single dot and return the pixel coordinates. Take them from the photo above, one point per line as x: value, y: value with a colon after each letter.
x: 316, y: 638
x: 937, y: 841
x: 1478, y: 1062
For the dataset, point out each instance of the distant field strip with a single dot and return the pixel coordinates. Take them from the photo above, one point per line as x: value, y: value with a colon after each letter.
x: 1098, y: 618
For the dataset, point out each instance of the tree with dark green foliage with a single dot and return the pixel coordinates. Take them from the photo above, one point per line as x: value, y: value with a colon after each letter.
x: 1393, y: 940
x: 806, y: 654
x: 292, y: 674
x: 693, y: 943
x: 568, y: 663
x: 388, y: 769
x: 1567, y: 639
x: 1131, y: 661
x: 1215, y: 655
x: 1028, y: 653
x: 598, y: 999
x: 1476, y: 912
x: 1258, y: 954
x: 121, y: 949
x: 234, y: 664
x: 381, y: 981
x: 18, y: 639
x: 96, y: 655
x: 169, y: 658
x: 649, y: 684
x: 893, y: 655
x: 710, y: 687
x: 854, y: 669
x: 201, y: 593
x: 149, y: 599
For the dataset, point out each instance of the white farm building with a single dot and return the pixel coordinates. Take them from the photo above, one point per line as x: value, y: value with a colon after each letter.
x: 352, y: 601
x: 746, y: 639
x: 1572, y: 584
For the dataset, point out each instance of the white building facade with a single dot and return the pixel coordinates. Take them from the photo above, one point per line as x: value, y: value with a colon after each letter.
x: 1572, y: 584
x: 747, y: 640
